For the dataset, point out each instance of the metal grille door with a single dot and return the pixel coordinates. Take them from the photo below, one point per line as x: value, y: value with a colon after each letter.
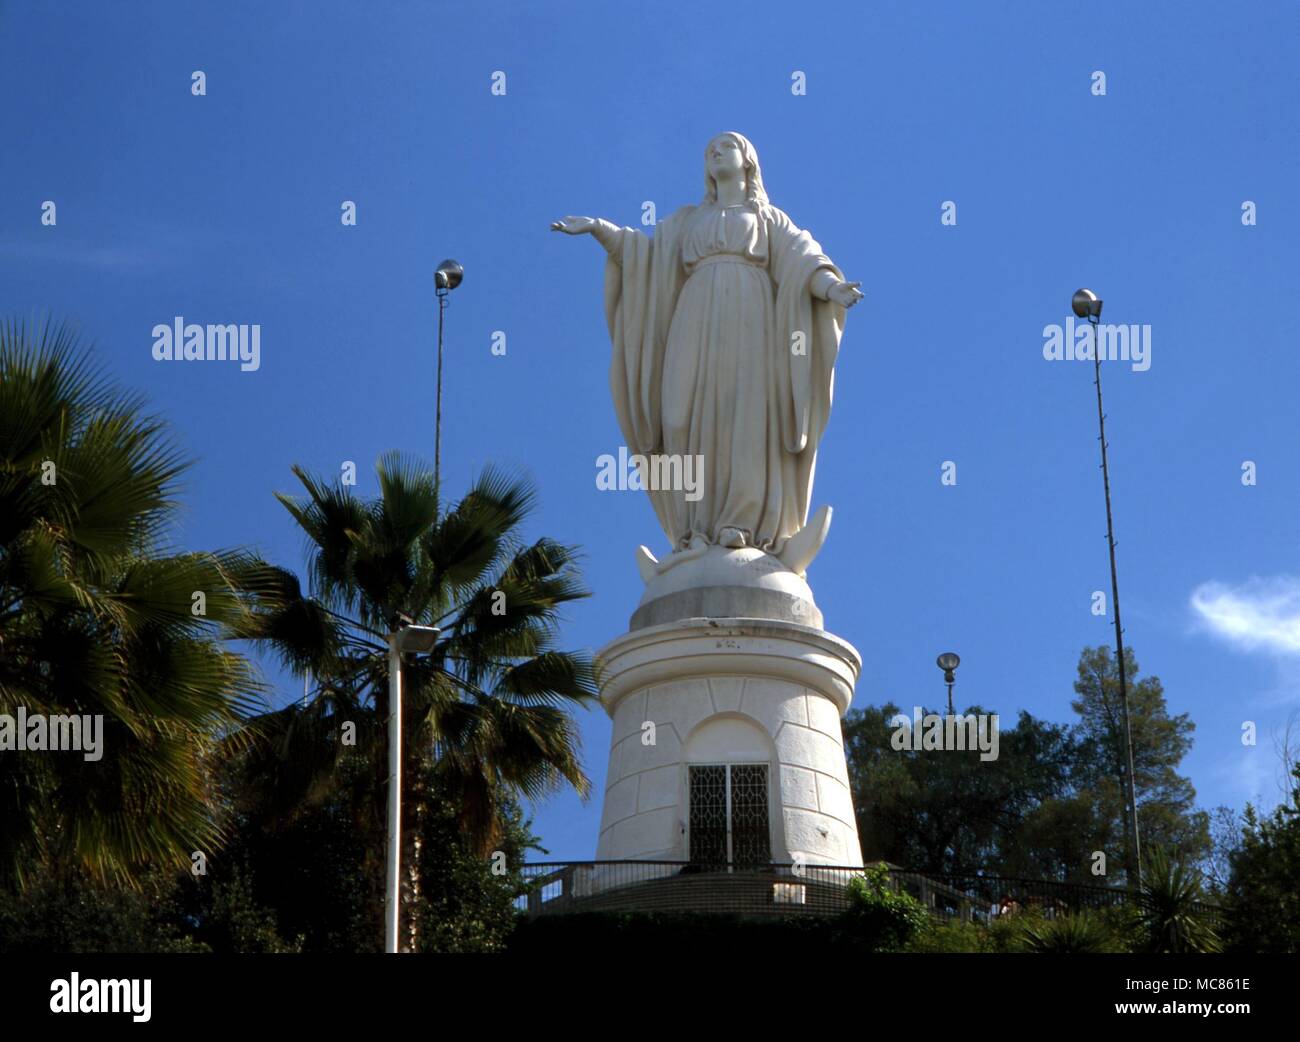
x: 749, y: 832
x: 709, y: 815
x: 728, y: 813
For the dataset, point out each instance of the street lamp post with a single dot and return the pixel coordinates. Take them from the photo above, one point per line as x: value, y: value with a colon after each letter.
x: 949, y: 662
x: 1086, y: 304
x: 419, y: 640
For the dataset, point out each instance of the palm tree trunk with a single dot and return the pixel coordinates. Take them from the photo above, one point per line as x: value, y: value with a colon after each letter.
x: 413, y: 802
x: 411, y: 885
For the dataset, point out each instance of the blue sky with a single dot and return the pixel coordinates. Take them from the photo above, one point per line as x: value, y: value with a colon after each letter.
x: 226, y: 208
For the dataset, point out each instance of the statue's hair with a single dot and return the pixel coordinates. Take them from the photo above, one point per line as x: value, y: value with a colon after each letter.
x: 755, y: 193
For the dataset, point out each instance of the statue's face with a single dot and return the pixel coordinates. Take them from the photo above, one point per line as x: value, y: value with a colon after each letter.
x: 725, y: 158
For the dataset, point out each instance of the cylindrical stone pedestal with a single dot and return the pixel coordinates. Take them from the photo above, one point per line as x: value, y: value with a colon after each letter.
x: 719, y: 692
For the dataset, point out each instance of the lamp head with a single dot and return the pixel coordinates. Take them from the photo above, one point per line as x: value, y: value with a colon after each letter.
x: 417, y: 640
x: 449, y: 275
x: 1086, y: 304
x: 948, y: 662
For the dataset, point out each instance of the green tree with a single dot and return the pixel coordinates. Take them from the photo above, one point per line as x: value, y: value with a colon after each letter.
x: 311, y: 878
x: 1056, y: 840
x: 950, y: 812
x: 1166, y: 800
x: 486, y: 714
x: 1263, y: 898
x: 467, y: 902
x: 70, y: 912
x: 1049, y: 802
x: 229, y: 918
x: 1226, y: 825
x: 100, y: 617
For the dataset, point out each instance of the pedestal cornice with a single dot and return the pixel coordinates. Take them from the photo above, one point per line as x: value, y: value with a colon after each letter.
x: 692, y: 648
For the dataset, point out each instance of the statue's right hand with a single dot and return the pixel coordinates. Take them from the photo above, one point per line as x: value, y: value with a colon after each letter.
x: 574, y: 225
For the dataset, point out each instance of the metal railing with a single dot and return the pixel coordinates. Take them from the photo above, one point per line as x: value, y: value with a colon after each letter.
x: 787, y: 889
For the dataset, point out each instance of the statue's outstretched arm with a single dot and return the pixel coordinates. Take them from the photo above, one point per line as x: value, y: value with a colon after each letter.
x: 826, y: 285
x: 605, y: 232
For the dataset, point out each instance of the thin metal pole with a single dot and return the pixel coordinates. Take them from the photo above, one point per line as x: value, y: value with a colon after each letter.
x: 437, y: 437
x: 1135, y: 851
x: 392, y: 906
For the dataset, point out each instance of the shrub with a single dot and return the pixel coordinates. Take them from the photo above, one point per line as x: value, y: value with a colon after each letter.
x: 1172, y: 917
x: 952, y: 935
x: 884, y: 918
x: 671, y: 934
x: 1078, y: 932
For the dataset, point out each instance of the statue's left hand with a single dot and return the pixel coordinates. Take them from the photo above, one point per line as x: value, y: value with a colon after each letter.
x: 845, y: 294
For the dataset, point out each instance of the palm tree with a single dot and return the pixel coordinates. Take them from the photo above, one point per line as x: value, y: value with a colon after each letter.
x: 486, y: 713
x: 98, y: 617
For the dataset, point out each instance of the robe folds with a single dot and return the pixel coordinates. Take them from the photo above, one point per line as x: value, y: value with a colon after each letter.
x: 721, y: 353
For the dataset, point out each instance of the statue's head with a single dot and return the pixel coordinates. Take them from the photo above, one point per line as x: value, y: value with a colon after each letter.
x: 732, y: 156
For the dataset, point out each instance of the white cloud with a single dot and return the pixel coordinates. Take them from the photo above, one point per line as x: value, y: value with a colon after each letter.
x: 1248, y: 776
x: 1260, y: 614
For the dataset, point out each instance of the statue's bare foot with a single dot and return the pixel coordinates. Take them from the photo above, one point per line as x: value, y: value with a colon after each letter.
x: 732, y: 538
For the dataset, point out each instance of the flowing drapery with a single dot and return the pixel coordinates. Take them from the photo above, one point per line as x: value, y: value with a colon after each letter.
x: 721, y: 351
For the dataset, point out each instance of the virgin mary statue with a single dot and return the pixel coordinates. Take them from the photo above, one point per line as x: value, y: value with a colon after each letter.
x: 725, y: 326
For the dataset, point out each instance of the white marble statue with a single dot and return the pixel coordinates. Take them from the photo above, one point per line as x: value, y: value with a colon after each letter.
x: 725, y: 327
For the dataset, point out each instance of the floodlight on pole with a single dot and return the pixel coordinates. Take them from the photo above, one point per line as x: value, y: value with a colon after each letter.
x: 1086, y: 304
x: 949, y: 662
x: 406, y: 639
x: 446, y: 278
